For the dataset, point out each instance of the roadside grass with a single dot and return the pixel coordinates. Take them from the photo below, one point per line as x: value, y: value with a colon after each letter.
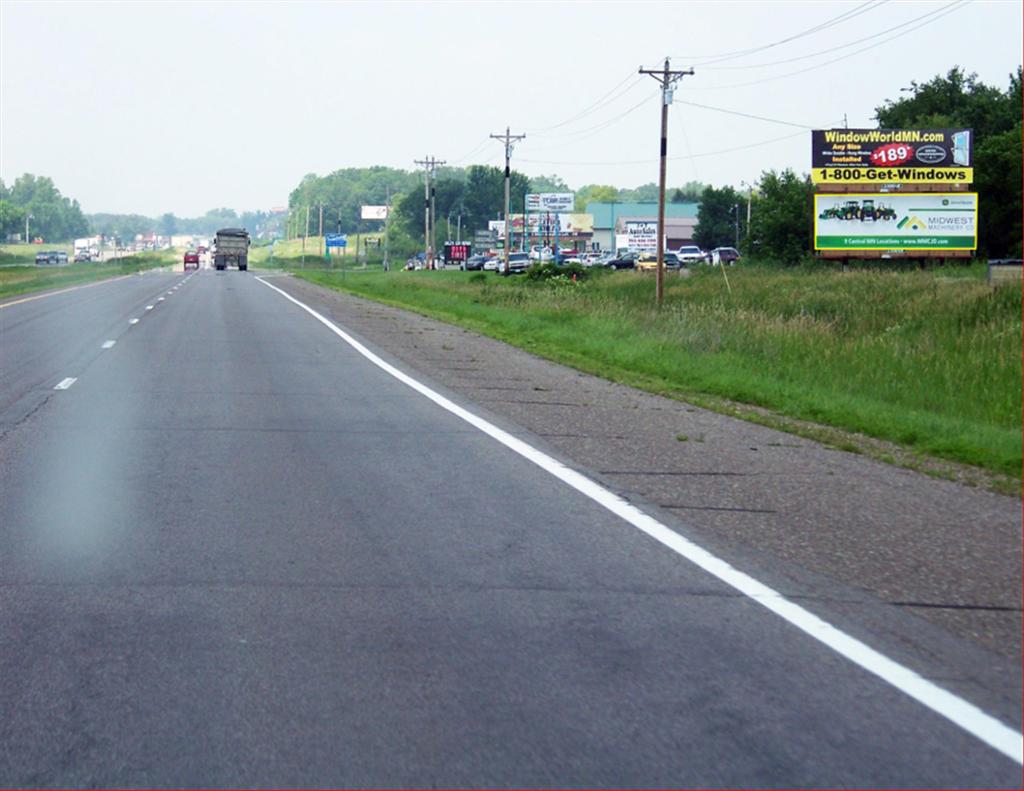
x: 928, y: 360
x: 22, y: 253
x: 17, y: 280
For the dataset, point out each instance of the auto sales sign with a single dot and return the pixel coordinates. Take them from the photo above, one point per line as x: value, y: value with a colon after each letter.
x: 890, y: 156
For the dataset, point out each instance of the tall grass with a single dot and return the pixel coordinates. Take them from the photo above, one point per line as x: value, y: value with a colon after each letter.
x: 931, y: 360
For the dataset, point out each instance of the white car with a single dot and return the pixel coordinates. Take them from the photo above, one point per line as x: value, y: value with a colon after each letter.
x: 690, y: 254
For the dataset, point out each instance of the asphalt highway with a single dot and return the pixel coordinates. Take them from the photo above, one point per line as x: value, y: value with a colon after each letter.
x: 235, y: 552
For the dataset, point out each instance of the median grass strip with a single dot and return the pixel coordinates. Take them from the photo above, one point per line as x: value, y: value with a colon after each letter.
x: 17, y: 280
x: 930, y: 361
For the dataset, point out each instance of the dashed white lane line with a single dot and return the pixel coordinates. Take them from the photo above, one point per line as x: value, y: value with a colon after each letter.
x: 149, y: 307
x: 108, y: 344
x: 957, y: 710
x: 160, y: 299
x: 66, y: 383
x: 133, y: 321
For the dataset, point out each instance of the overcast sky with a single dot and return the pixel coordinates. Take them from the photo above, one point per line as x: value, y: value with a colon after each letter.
x: 153, y: 107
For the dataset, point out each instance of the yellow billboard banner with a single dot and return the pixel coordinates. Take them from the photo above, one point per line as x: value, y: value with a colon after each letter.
x: 893, y: 175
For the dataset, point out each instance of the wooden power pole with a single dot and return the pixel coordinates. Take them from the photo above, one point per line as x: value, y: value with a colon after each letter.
x: 508, y: 140
x: 430, y: 164
x: 667, y: 78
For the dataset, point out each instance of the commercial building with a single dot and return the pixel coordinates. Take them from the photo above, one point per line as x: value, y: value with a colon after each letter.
x: 610, y: 218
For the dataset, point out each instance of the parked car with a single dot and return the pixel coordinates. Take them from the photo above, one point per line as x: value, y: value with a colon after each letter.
x: 62, y: 257
x: 83, y: 256
x: 475, y: 262
x: 725, y: 255
x: 648, y: 262
x: 690, y: 254
x: 518, y: 263
x: 46, y: 257
x: 625, y: 260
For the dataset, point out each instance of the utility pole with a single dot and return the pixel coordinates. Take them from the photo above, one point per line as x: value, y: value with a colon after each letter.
x: 508, y: 139
x: 27, y: 218
x: 387, y: 215
x: 304, y: 235
x: 736, y: 213
x: 429, y: 164
x: 321, y: 233
x: 667, y: 78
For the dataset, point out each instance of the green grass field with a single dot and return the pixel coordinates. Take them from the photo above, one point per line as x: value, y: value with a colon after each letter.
x: 16, y: 280
x: 928, y: 360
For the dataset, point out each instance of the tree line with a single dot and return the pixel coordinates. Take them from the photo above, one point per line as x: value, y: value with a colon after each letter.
x: 49, y: 214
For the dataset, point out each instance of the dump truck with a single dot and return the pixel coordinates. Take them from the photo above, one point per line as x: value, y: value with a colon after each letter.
x: 231, y: 247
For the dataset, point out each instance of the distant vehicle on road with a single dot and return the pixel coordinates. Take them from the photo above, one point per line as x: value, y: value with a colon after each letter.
x: 83, y: 256
x: 191, y: 260
x: 232, y: 249
x: 62, y: 257
x: 46, y: 257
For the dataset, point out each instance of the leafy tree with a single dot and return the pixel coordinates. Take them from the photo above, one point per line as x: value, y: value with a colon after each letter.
x: 642, y: 194
x: 54, y: 217
x: 548, y: 184
x: 716, y: 218
x: 12, y: 218
x: 780, y: 222
x: 595, y: 193
x: 168, y: 225
x: 960, y: 100
x: 688, y: 193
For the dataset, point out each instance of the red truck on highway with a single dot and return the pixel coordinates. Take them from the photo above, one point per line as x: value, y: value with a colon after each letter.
x: 191, y: 260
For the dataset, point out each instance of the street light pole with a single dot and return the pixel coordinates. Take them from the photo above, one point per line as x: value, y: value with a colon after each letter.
x: 27, y: 218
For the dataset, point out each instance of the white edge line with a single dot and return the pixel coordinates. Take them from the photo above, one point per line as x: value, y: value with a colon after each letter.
x: 954, y: 708
x: 66, y: 383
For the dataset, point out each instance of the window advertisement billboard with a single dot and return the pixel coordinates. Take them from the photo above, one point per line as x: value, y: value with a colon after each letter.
x: 557, y: 202
x: 889, y: 221
x: 892, y: 156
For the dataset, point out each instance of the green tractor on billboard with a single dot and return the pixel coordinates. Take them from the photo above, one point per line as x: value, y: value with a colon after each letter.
x: 884, y: 212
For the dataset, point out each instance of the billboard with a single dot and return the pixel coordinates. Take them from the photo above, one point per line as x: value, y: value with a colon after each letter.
x: 891, y: 156
x: 642, y: 237
x: 550, y: 201
x: 888, y: 221
x: 374, y: 213
x: 544, y: 224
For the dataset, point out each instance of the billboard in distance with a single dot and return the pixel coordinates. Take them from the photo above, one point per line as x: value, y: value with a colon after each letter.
x: 642, y: 237
x: 557, y: 202
x: 374, y: 213
x: 893, y: 221
x: 913, y: 156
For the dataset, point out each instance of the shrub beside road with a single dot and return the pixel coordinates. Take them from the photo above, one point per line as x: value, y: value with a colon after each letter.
x: 930, y: 360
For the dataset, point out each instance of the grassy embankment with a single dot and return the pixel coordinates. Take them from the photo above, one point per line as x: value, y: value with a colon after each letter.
x: 23, y: 279
x: 930, y: 361
x: 289, y: 253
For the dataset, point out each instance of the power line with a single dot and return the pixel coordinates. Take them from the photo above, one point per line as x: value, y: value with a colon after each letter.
x: 672, y: 159
x: 746, y: 115
x: 704, y: 60
x: 599, y: 127
x: 951, y: 8
x: 607, y: 98
x: 831, y: 49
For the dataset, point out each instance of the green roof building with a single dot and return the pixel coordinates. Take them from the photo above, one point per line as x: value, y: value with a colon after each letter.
x: 680, y: 220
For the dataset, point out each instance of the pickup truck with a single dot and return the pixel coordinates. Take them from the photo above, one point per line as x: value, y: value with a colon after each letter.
x: 191, y: 260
